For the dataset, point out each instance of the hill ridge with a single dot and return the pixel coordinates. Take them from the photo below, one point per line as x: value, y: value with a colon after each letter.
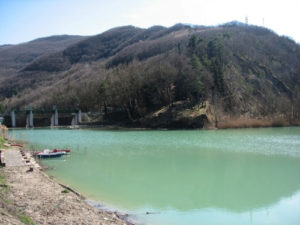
x: 240, y: 70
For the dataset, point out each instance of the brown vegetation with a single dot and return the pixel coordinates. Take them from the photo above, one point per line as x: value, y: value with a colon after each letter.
x: 129, y: 73
x: 14, y: 58
x: 253, y: 123
x: 3, y: 131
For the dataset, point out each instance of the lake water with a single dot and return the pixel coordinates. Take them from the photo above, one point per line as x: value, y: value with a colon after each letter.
x: 238, y: 176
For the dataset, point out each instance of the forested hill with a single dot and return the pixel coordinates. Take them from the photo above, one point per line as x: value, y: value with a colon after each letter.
x: 182, y: 76
x: 17, y: 56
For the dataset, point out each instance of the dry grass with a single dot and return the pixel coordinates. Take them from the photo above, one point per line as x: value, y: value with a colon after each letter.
x: 253, y: 123
x: 3, y: 131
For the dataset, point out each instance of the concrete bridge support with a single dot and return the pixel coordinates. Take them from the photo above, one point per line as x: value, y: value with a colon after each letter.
x: 54, y: 117
x: 13, y: 118
x: 29, y: 119
x: 74, y: 119
x: 42, y: 117
x: 79, y: 116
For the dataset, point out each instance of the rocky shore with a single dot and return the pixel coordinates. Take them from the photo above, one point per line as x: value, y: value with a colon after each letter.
x: 29, y: 196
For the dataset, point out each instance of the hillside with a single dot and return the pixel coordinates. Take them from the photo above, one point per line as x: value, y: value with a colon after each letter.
x: 182, y: 76
x: 14, y: 57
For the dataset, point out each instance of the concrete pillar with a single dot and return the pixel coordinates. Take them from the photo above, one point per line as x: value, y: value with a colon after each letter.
x: 74, y: 119
x: 54, y: 117
x: 29, y: 119
x: 13, y: 118
x: 79, y: 116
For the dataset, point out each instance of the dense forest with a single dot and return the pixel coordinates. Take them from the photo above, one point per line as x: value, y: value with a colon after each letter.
x: 182, y: 76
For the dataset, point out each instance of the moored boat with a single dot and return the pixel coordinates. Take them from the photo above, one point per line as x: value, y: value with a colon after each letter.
x: 62, y: 150
x: 47, y: 153
x: 17, y: 145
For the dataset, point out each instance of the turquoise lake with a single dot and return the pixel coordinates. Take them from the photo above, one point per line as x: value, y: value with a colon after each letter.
x: 182, y: 177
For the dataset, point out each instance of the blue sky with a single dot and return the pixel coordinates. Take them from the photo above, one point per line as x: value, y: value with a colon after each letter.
x: 25, y: 20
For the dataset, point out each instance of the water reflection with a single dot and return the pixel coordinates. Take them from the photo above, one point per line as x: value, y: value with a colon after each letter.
x: 236, y: 182
x: 227, y: 173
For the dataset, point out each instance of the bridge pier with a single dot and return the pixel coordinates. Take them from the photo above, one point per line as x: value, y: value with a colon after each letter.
x: 42, y: 117
x: 74, y: 119
x: 29, y: 118
x: 79, y: 116
x: 13, y: 118
x: 54, y: 117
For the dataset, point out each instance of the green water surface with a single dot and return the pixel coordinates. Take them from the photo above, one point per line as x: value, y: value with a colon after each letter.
x: 241, y: 176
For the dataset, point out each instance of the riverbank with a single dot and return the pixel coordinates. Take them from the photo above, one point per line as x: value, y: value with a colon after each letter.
x: 29, y: 196
x: 228, y: 124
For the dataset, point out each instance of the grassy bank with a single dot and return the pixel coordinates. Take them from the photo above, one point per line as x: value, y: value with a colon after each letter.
x: 1, y: 142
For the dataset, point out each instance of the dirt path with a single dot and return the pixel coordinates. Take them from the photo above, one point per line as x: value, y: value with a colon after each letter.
x: 13, y: 158
x: 45, y: 201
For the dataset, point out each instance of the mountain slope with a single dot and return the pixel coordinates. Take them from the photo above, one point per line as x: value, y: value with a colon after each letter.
x: 97, y: 47
x: 16, y: 56
x: 182, y: 76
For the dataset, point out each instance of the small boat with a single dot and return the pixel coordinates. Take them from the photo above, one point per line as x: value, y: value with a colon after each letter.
x: 17, y: 145
x: 67, y: 151
x: 47, y: 153
x: 62, y: 150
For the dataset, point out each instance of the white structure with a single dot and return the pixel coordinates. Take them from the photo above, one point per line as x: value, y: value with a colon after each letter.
x: 29, y: 119
x: 13, y: 118
x: 54, y: 117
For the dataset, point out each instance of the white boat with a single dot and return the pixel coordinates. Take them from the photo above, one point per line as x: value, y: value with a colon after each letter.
x: 47, y: 153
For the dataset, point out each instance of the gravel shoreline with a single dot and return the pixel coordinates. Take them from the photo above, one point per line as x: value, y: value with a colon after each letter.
x: 45, y: 201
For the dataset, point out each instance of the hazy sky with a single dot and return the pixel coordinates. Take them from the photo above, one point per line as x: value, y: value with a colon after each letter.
x: 24, y: 20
